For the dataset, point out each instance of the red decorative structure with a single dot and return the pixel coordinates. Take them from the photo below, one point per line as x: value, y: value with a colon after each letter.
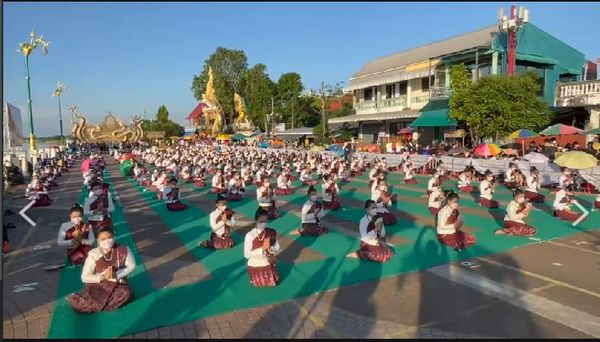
x: 196, y: 115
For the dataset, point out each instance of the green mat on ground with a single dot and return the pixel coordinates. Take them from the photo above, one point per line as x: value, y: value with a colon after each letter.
x: 229, y: 288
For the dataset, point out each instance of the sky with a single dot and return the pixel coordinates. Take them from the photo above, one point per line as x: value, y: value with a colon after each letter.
x: 124, y: 57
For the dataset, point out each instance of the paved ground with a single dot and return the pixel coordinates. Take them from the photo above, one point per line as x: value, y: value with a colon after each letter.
x: 546, y: 290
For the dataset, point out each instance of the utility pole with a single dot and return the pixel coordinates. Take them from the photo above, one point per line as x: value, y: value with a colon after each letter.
x: 511, y: 26
x: 323, y: 112
x: 292, y: 112
x: 272, y: 114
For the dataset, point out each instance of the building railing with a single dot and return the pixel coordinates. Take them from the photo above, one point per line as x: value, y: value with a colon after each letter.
x: 578, y: 93
x: 417, y: 101
x: 440, y: 92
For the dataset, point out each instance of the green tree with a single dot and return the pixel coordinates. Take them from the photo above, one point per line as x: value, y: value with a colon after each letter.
x: 497, y: 105
x: 289, y: 89
x: 258, y: 89
x: 162, y: 115
x: 229, y: 67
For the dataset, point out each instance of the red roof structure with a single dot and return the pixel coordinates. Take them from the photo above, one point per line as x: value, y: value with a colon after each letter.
x: 197, y: 112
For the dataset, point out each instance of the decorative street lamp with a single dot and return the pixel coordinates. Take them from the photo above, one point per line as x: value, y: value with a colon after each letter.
x: 26, y: 49
x: 512, y: 25
x: 57, y: 92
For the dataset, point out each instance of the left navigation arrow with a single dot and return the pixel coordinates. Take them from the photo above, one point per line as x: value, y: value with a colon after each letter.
x: 22, y: 213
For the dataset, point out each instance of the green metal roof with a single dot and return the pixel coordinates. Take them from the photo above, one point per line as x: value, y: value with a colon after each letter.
x: 434, y: 114
x: 536, y: 59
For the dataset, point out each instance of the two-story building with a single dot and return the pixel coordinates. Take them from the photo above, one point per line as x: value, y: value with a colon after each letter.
x: 411, y: 88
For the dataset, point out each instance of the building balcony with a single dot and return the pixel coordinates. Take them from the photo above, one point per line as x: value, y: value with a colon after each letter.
x: 573, y: 94
x: 393, y: 104
x: 440, y: 92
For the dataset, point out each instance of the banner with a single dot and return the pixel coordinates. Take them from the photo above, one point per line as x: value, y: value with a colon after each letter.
x: 12, y: 131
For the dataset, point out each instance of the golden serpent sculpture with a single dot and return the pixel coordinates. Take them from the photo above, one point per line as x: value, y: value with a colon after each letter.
x: 110, y: 129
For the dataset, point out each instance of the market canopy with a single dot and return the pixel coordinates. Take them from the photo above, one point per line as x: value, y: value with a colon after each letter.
x: 560, y: 129
x: 434, y: 114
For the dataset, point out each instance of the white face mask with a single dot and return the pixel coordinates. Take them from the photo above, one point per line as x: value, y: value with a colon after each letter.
x: 313, y: 198
x: 76, y: 220
x: 261, y: 226
x: 106, y: 244
x: 97, y: 192
x: 373, y: 211
x: 521, y: 200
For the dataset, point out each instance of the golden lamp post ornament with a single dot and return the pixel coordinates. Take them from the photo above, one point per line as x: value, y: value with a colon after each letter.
x: 57, y: 92
x: 26, y: 49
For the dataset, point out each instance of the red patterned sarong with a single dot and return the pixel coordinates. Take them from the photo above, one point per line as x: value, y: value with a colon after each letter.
x: 309, y: 183
x: 77, y: 256
x: 218, y: 242
x: 488, y: 203
x: 263, y: 276
x: 517, y: 228
x: 282, y: 192
x: 176, y: 206
x: 534, y: 197
x: 567, y: 215
x: 411, y: 181
x: 597, y: 204
x: 467, y: 189
x: 389, y: 219
x: 459, y: 240
x: 42, y: 201
x: 234, y: 197
x: 313, y: 229
x: 374, y: 253
x: 218, y: 191
x: 333, y: 205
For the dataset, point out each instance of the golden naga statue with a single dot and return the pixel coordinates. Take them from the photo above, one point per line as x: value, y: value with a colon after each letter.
x: 109, y: 130
x: 213, y: 113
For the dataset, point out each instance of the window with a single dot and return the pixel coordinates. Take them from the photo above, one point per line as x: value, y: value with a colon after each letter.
x: 425, y: 83
x: 368, y: 94
x: 402, y: 87
x: 390, y: 91
x: 485, y: 70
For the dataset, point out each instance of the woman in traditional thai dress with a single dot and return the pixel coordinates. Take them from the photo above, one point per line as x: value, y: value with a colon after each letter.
x: 533, y: 186
x: 383, y: 200
x: 509, y: 176
x: 218, y: 183
x: 172, y: 196
x: 486, y: 190
x: 449, y: 224
x: 104, y: 276
x: 563, y: 201
x: 266, y: 198
x: 305, y: 176
x: 330, y: 192
x: 409, y: 173
x: 516, y: 212
x: 312, y: 213
x: 260, y: 248
x: 464, y: 181
x: 435, y: 183
x: 76, y: 236
x: 221, y: 223
x: 373, y: 244
x: 236, y: 187
x: 38, y: 192
x: 98, y: 207
x: 284, y: 184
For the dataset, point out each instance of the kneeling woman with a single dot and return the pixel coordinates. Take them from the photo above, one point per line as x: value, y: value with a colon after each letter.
x: 221, y: 222
x: 383, y: 199
x: 260, y: 248
x: 516, y: 211
x: 373, y: 245
x: 562, y: 203
x: 104, y: 276
x: 172, y: 196
x: 266, y: 199
x: 486, y: 190
x: 99, y: 206
x: 449, y: 222
x: 76, y: 236
x: 330, y: 193
x: 312, y: 213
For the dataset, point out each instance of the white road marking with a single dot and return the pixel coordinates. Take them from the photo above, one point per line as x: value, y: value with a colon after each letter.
x: 557, y: 264
x: 546, y: 308
x: 27, y: 218
x: 23, y: 269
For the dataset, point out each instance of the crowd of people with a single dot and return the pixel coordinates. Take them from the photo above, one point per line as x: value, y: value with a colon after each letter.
x: 88, y: 235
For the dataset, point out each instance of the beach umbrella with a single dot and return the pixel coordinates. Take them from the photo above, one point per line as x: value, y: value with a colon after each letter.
x: 577, y: 160
x: 486, y: 150
x: 406, y: 130
x: 126, y: 168
x: 522, y: 133
x: 509, y: 151
x: 534, y: 157
x: 594, y: 131
x: 238, y: 136
x: 560, y: 129
x: 86, y: 165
